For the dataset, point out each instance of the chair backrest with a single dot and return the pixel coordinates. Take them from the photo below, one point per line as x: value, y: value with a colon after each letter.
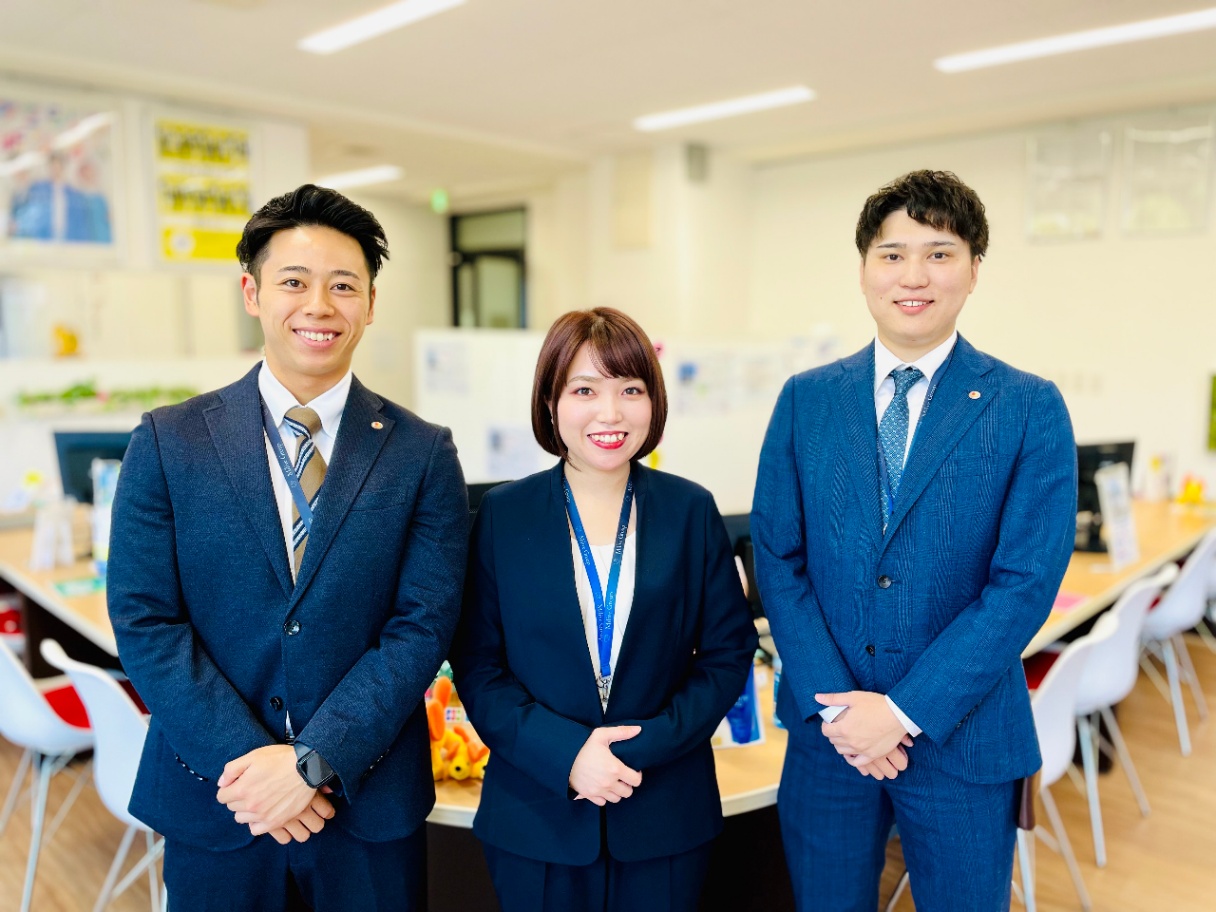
x: 119, y: 728
x: 1183, y: 604
x: 1113, y: 666
x: 27, y: 719
x: 1055, y: 706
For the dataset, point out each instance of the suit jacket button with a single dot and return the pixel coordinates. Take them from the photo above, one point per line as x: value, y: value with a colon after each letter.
x: 276, y: 703
x: 870, y: 650
x: 291, y: 628
x: 884, y: 582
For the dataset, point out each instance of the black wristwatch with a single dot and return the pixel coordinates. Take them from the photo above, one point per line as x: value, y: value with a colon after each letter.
x: 312, y: 766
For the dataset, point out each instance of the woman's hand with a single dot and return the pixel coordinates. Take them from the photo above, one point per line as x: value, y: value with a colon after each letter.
x: 597, y: 774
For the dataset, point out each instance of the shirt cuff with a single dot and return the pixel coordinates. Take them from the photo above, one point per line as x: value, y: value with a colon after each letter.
x: 830, y: 713
x: 912, y: 727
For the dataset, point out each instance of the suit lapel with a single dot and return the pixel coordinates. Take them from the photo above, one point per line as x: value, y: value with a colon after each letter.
x: 952, y: 411
x: 355, y: 451
x: 236, y: 431
x: 859, y: 429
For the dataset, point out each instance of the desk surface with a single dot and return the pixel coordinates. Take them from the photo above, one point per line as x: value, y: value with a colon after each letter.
x: 85, y: 613
x: 747, y: 776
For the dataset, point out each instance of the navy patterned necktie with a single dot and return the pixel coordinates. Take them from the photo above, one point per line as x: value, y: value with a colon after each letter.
x: 893, y: 433
x: 310, y: 469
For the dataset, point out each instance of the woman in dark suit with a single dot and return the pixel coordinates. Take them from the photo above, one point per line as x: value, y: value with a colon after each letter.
x: 604, y: 636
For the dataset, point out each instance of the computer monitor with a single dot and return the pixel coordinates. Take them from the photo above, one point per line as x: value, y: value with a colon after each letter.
x: 477, y: 490
x: 1090, y: 458
x: 77, y: 450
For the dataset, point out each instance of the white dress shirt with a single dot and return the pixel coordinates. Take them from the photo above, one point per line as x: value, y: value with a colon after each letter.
x: 602, y: 554
x: 329, y: 407
x: 884, y: 391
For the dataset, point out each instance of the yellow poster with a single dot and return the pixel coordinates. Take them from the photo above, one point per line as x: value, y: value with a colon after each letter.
x: 202, y: 190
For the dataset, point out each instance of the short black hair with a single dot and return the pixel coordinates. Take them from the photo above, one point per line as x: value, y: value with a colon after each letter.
x: 934, y: 198
x: 311, y: 205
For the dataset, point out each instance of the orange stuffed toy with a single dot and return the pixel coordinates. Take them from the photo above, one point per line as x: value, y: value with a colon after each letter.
x: 456, y: 751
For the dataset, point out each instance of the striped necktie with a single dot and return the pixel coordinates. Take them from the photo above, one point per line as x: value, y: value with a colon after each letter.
x: 310, y: 469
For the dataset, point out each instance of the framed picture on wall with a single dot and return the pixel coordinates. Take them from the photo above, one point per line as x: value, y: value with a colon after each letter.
x: 59, y: 186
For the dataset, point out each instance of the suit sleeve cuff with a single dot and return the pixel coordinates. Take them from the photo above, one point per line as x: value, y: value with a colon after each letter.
x: 912, y: 728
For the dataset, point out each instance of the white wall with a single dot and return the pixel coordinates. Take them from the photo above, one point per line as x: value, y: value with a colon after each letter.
x: 1125, y: 326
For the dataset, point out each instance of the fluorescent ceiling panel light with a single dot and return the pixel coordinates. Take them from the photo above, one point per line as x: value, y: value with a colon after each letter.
x: 1079, y: 41
x: 730, y: 108
x: 380, y: 174
x: 377, y: 22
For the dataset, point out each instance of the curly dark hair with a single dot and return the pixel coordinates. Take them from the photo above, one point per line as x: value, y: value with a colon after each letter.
x: 311, y: 205
x: 934, y: 198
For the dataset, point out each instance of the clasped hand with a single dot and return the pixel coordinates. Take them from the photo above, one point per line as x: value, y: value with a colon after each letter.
x: 264, y: 790
x: 867, y: 733
x: 597, y: 775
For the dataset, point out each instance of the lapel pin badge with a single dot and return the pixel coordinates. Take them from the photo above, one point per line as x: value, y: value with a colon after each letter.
x: 974, y: 394
x: 379, y: 425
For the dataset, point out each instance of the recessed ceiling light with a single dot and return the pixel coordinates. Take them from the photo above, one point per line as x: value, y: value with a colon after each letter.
x: 380, y: 174
x: 1079, y: 41
x: 377, y: 22
x: 719, y: 109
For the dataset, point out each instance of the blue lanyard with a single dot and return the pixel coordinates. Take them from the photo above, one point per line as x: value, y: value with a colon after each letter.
x: 289, y: 470
x: 883, y: 478
x: 605, y: 601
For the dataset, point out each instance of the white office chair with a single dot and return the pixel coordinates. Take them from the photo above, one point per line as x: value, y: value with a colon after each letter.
x: 28, y: 720
x: 119, y: 727
x: 1108, y: 677
x: 1055, y: 706
x: 1181, y: 608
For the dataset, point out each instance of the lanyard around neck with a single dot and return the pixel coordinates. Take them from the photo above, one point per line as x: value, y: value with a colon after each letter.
x: 883, y: 478
x: 289, y: 471
x: 605, y: 600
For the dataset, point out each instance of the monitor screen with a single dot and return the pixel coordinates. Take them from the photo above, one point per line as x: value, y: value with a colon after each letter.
x: 1090, y: 458
x: 77, y: 450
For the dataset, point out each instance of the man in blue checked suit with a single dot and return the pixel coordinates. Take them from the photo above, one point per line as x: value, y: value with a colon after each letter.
x: 913, y: 517
x: 285, y: 572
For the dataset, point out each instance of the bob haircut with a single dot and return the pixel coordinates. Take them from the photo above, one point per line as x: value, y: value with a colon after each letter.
x: 619, y: 348
x: 934, y: 198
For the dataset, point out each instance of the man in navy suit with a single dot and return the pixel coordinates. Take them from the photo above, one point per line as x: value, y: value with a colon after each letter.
x: 913, y: 517
x: 282, y: 637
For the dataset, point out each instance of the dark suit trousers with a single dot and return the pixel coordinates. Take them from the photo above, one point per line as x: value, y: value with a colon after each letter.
x: 331, y: 872
x: 668, y: 884
x: 957, y: 837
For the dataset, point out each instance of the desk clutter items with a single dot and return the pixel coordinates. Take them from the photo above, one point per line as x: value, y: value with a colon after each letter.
x: 1191, y: 491
x: 742, y: 723
x: 456, y: 751
x: 54, y: 536
x: 11, y: 632
x: 105, y: 481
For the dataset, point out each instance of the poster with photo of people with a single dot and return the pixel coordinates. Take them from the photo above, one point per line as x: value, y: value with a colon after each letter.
x: 56, y: 173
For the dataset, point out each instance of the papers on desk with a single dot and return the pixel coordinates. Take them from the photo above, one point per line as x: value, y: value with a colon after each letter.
x: 74, y: 588
x: 1066, y: 601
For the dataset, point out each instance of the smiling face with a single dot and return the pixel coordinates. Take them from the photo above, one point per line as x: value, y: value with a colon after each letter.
x: 916, y: 279
x: 602, y: 420
x: 313, y: 297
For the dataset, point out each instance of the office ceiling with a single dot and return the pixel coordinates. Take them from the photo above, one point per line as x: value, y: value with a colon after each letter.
x: 502, y: 94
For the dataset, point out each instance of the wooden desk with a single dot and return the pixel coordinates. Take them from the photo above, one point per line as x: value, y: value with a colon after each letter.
x: 1166, y: 531
x: 80, y: 620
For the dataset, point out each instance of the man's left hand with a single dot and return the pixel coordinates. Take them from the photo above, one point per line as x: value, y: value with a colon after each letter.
x: 264, y: 790
x: 867, y: 726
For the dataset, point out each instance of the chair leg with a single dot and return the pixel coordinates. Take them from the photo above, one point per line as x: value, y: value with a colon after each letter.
x: 1026, y: 865
x: 1065, y: 845
x: 1125, y: 760
x: 1184, y: 659
x: 899, y: 891
x: 154, y: 849
x: 1171, y: 667
x: 107, y: 888
x: 10, y: 802
x: 1085, y: 737
x: 45, y: 768
x: 81, y: 780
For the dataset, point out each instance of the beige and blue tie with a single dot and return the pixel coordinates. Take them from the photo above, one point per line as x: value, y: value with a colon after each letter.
x: 310, y: 470
x: 893, y: 433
